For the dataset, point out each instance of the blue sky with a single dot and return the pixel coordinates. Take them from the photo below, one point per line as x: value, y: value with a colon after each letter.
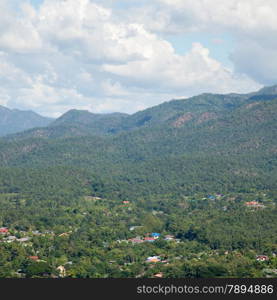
x: 107, y: 56
x: 220, y: 46
x: 36, y: 3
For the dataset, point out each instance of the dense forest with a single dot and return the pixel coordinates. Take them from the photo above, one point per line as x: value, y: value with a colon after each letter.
x: 184, y: 189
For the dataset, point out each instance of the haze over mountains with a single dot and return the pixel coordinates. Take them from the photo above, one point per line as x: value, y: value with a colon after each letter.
x: 14, y: 120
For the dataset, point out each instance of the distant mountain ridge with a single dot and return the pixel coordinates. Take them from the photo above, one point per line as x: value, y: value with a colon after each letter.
x: 14, y: 120
x: 90, y: 122
x: 172, y: 113
x: 210, y: 141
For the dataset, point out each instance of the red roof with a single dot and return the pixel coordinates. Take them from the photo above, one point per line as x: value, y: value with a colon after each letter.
x: 262, y: 257
x: 149, y: 239
x: 4, y: 230
x: 136, y: 240
x: 252, y: 203
x: 33, y: 257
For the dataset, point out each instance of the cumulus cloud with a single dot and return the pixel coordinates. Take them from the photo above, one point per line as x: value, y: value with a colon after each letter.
x: 192, y: 72
x: 84, y: 54
x: 256, y: 58
x: 17, y: 28
x: 247, y: 15
x: 251, y: 23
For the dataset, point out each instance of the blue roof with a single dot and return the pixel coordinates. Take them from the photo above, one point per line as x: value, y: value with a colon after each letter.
x: 155, y: 234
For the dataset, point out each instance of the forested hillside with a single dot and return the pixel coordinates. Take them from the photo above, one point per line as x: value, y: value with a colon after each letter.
x: 88, y: 190
x: 223, y: 142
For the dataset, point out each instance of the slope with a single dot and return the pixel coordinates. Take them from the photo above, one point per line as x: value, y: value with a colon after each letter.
x: 13, y: 120
x: 217, y: 147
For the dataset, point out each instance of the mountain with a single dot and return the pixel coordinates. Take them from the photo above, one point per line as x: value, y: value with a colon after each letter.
x: 268, y: 90
x: 76, y: 123
x: 14, y: 120
x: 172, y: 113
x: 84, y: 123
x: 210, y: 142
x: 202, y: 170
x: 90, y: 123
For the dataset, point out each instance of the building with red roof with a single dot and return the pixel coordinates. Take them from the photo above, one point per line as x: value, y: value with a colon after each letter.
x: 34, y: 258
x: 4, y: 230
x: 262, y: 258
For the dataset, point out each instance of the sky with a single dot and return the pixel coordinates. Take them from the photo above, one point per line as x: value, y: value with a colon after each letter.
x: 113, y: 55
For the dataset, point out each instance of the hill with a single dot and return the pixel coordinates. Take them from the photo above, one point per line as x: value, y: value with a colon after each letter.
x: 205, y: 143
x: 85, y: 193
x: 175, y: 112
x: 14, y: 120
x: 76, y: 123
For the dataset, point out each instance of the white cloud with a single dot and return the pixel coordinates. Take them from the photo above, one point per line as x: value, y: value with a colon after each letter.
x: 195, y: 71
x: 256, y: 59
x: 251, y: 23
x: 17, y: 30
x: 245, y: 15
x: 4, y: 97
x: 113, y: 89
x: 70, y: 53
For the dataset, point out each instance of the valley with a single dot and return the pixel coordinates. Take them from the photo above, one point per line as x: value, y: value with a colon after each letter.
x: 183, y: 189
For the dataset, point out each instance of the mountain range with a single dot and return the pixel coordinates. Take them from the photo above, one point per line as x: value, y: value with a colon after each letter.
x: 81, y: 122
x: 209, y: 142
x: 14, y: 120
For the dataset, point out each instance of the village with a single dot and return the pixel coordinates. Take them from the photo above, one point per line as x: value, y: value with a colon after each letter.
x: 24, y: 239
x: 140, y: 244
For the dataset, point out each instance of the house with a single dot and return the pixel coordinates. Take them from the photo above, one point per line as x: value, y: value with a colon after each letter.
x: 125, y: 202
x: 165, y: 261
x: 10, y: 238
x: 149, y: 239
x: 36, y: 232
x: 262, y: 258
x: 251, y: 203
x: 24, y: 240
x: 62, y: 271
x: 155, y: 235
x: 4, y: 230
x: 169, y: 237
x: 34, y: 258
x: 153, y: 259
x: 64, y: 234
x: 210, y: 197
x: 254, y: 204
x: 134, y: 227
x: 122, y: 241
x: 159, y: 275
x: 136, y: 240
